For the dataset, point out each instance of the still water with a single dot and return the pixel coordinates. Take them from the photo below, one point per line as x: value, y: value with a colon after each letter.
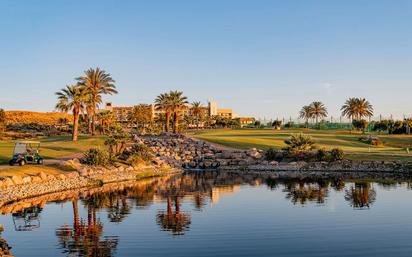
x: 212, y: 214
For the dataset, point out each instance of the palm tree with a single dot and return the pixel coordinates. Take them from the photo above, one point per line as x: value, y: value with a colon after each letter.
x: 177, y: 104
x: 72, y: 98
x: 106, y: 119
x: 318, y: 111
x: 197, y: 112
x: 306, y: 113
x: 357, y: 108
x: 162, y: 103
x: 97, y: 83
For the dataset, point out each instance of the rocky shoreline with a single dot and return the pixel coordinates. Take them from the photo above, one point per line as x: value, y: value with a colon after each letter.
x: 192, y: 154
x: 19, y: 188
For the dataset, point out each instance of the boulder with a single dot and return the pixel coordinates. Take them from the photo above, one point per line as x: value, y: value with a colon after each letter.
x: 26, y: 179
x: 17, y: 180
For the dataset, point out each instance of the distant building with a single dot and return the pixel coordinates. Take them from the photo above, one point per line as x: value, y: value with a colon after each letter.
x: 122, y: 112
x: 245, y: 121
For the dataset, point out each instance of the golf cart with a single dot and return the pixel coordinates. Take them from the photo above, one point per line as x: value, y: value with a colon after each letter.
x: 26, y: 152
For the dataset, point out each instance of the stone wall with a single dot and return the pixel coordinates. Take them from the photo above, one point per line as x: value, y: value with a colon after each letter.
x: 17, y: 188
x: 189, y: 153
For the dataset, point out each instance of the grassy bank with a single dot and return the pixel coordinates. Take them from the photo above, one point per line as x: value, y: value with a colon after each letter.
x: 54, y: 147
x: 394, y: 145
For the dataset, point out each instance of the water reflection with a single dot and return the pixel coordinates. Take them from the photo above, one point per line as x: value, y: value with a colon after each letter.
x: 361, y: 195
x: 27, y: 219
x: 85, y: 236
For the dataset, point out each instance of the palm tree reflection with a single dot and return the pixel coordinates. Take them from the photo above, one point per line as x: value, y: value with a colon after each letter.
x: 84, y: 238
x: 361, y: 195
x: 301, y: 192
x: 174, y: 221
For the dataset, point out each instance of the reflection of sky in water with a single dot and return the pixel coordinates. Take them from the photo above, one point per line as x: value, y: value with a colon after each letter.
x: 251, y: 221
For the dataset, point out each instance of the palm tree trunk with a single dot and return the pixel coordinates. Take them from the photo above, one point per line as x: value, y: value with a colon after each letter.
x: 175, y: 122
x: 167, y: 121
x: 93, y: 120
x: 75, y: 124
x: 75, y: 215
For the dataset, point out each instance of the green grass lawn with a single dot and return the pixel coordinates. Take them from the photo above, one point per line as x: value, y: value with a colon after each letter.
x: 54, y: 147
x: 347, y: 141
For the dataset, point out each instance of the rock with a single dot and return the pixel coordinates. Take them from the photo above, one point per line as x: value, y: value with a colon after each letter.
x: 26, y: 180
x: 17, y: 180
x: 61, y: 177
x: 36, y: 179
x: 274, y: 163
x: 120, y: 169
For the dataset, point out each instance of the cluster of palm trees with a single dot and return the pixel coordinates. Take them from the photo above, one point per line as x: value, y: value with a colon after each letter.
x: 354, y: 109
x: 172, y: 104
x: 85, y: 97
x: 315, y: 110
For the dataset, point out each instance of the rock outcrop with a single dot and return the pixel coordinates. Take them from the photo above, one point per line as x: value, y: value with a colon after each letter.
x: 189, y: 153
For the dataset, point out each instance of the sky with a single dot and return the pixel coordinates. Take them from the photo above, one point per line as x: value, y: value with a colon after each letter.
x: 262, y: 58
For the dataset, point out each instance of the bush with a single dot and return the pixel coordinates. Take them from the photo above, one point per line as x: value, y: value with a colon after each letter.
x: 274, y: 155
x: 96, y: 157
x: 322, y: 155
x: 336, y: 154
x: 375, y: 141
x: 361, y: 125
x: 290, y: 124
x: 298, y: 143
x: 276, y: 124
x: 139, y: 153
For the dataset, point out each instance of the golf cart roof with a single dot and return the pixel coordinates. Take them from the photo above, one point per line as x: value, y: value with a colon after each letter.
x: 28, y: 142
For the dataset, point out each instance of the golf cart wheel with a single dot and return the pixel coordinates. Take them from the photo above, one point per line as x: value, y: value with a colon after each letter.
x: 11, y: 162
x: 22, y: 163
x: 40, y: 162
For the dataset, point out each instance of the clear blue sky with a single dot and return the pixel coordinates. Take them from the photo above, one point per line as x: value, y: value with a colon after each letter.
x: 262, y: 58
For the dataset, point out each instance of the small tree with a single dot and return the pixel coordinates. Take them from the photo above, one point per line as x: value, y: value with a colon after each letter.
x: 276, y: 124
x: 2, y: 120
x: 140, y: 116
x: 360, y: 125
x: 117, y: 142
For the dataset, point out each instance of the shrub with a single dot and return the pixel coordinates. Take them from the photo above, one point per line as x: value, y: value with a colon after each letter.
x: 276, y: 124
x: 361, y: 125
x: 139, y: 153
x: 290, y: 124
x: 117, y: 141
x: 375, y: 141
x: 96, y: 157
x: 322, y: 155
x: 336, y: 154
x: 299, y: 143
x: 274, y: 155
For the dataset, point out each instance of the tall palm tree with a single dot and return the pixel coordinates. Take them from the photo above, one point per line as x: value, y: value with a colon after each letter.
x: 197, y: 111
x: 306, y: 113
x: 97, y: 83
x: 178, y: 104
x: 72, y: 99
x: 357, y: 108
x: 162, y: 103
x: 318, y: 111
x: 365, y: 109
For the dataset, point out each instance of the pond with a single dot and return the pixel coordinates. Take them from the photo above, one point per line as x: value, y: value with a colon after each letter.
x: 215, y: 214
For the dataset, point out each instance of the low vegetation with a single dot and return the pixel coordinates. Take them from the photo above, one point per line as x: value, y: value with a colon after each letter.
x: 349, y: 142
